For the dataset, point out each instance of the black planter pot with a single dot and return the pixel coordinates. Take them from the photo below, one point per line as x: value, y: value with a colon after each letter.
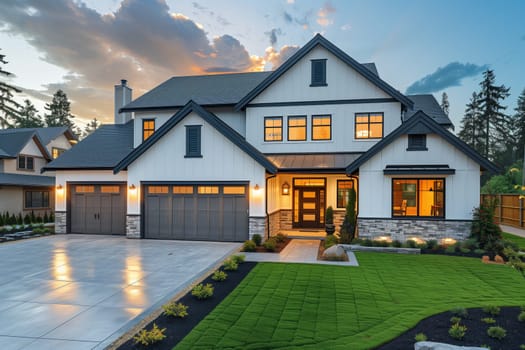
x: 329, y: 228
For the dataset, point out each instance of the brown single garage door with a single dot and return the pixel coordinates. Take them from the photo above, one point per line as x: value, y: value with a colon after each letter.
x: 98, y: 208
x: 210, y: 212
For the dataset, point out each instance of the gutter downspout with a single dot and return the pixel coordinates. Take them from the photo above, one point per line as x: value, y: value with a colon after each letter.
x: 266, y: 205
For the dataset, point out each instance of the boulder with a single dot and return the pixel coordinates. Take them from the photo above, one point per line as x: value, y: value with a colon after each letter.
x: 429, y: 345
x: 335, y: 250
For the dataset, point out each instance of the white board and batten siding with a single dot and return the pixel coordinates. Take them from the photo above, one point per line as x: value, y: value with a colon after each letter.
x: 343, y: 83
x: 222, y: 161
x: 461, y: 189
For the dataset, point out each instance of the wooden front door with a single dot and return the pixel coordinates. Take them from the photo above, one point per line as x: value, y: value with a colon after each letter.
x: 309, y: 206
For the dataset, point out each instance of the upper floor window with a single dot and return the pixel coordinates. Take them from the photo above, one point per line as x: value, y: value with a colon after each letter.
x: 418, y: 197
x: 297, y: 128
x: 321, y: 127
x: 56, y: 152
x: 26, y: 163
x: 193, y: 141
x: 368, y: 125
x: 273, y: 128
x: 417, y: 142
x: 318, y: 73
x: 148, y: 128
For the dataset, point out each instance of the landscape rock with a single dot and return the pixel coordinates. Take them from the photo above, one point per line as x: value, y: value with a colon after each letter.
x: 429, y: 345
x: 335, y: 250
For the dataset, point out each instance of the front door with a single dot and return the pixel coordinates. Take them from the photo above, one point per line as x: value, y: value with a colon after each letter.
x: 309, y: 203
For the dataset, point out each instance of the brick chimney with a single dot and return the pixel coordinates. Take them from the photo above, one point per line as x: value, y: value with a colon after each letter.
x: 122, y: 98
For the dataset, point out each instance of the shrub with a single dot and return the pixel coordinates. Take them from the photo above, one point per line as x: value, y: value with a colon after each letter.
x: 488, y: 320
x: 457, y: 331
x: 270, y: 245
x: 464, y: 250
x: 280, y: 238
x: 257, y: 239
x: 450, y: 249
x: 153, y: 336
x: 347, y: 231
x: 522, y: 347
x: 248, y: 246
x: 455, y: 319
x: 411, y: 243
x: 521, y: 316
x: 329, y: 216
x: 492, y: 310
x: 422, y: 245
x: 51, y: 217
x: 380, y: 243
x: 496, y: 332
x: 460, y: 312
x: 367, y: 243
x: 239, y: 258
x: 39, y: 219
x: 432, y: 244
x: 19, y: 219
x: 27, y: 219
x: 470, y: 243
x: 46, y: 218
x: 202, y: 291
x: 230, y: 265
x: 174, y: 309
x: 397, y: 244
x: 329, y: 241
x: 483, y: 229
x: 420, y: 337
x: 479, y: 251
x: 219, y: 276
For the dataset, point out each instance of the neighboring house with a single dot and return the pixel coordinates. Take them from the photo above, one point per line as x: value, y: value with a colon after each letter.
x: 23, y: 153
x: 222, y: 157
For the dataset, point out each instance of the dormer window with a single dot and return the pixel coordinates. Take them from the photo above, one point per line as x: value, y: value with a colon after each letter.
x: 148, y: 128
x: 417, y: 142
x: 193, y: 141
x: 26, y: 163
x: 318, y: 73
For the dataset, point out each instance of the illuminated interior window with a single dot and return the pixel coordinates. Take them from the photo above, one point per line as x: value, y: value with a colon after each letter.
x: 110, y: 189
x: 183, y: 189
x: 273, y: 128
x: 234, y: 190
x: 297, y: 128
x: 418, y: 197
x: 369, y: 125
x: 321, y: 127
x: 208, y: 189
x: 84, y: 188
x: 56, y: 152
x: 309, y: 182
x: 158, y: 189
x: 343, y: 192
x: 148, y: 128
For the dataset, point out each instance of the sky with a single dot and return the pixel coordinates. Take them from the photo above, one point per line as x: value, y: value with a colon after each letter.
x: 87, y: 47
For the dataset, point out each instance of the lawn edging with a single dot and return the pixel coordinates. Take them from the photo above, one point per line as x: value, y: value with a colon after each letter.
x: 356, y: 247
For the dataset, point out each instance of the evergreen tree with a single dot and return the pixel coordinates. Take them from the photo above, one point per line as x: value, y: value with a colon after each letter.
x: 496, y: 123
x: 90, y: 127
x: 28, y: 117
x: 471, y: 131
x: 59, y: 111
x: 445, y: 105
x: 519, y: 127
x: 8, y: 106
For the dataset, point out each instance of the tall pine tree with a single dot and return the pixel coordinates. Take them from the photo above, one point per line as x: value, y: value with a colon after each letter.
x: 445, y: 105
x: 519, y: 125
x: 8, y: 106
x: 471, y: 131
x: 59, y: 111
x: 90, y: 127
x: 28, y: 117
x: 495, y: 122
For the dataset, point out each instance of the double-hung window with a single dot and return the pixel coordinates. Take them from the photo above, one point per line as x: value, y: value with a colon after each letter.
x: 368, y: 125
x: 26, y: 163
x: 297, y: 128
x: 321, y: 127
x: 273, y: 129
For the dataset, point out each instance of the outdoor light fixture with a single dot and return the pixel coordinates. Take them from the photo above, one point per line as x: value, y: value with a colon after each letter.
x: 256, y: 188
x: 59, y: 187
x: 286, y: 189
x: 132, y: 187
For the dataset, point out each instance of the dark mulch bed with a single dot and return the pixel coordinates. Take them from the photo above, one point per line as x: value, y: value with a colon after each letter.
x: 278, y: 247
x: 436, y: 329
x: 178, y: 328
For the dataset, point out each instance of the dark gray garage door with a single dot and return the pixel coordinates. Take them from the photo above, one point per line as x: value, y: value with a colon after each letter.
x: 196, y: 212
x: 98, y: 208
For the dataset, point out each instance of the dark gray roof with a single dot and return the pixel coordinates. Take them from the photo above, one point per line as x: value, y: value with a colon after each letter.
x: 322, y: 162
x: 431, y: 107
x: 371, y: 67
x: 205, y: 90
x: 422, y: 123
x: 7, y: 179
x: 210, y: 118
x: 103, y: 149
x: 12, y: 141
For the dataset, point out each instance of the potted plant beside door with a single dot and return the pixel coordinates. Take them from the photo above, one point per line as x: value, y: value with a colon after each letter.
x: 329, y: 221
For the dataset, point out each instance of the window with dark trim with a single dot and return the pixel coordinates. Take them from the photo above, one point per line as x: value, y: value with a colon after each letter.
x: 273, y: 129
x: 417, y: 142
x: 418, y: 197
x: 321, y: 127
x: 343, y: 192
x: 193, y: 141
x: 36, y: 199
x: 148, y: 128
x: 368, y: 125
x: 318, y: 73
x: 26, y: 163
x: 56, y: 152
x: 297, y: 128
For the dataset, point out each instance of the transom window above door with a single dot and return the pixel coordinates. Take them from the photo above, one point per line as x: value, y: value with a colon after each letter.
x: 368, y: 125
x: 297, y: 128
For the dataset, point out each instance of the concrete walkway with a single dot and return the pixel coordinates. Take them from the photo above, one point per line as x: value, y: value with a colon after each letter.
x: 300, y: 251
x: 514, y: 230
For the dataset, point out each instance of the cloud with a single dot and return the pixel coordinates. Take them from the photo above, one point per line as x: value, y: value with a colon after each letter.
x: 346, y: 27
x: 324, y: 14
x: 276, y: 58
x: 272, y: 34
x: 142, y: 41
x: 288, y: 17
x: 444, y: 77
x: 303, y: 20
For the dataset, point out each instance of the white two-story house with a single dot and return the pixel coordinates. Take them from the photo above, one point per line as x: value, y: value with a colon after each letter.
x: 222, y: 157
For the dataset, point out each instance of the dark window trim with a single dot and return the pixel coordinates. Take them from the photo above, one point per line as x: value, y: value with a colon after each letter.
x: 305, y: 118
x: 337, y: 191
x: 196, y: 153
x: 25, y: 161
x: 26, y: 207
x: 415, y: 217
x: 144, y: 130
x: 414, y: 146
x: 265, y: 127
x: 369, y: 138
x: 312, y: 127
x: 322, y: 82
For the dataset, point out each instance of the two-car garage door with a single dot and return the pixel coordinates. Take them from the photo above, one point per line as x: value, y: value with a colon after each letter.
x: 213, y: 212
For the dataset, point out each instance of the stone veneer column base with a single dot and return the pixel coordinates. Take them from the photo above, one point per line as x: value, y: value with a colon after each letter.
x: 132, y: 226
x: 401, y: 230
x: 257, y: 225
x: 60, y: 222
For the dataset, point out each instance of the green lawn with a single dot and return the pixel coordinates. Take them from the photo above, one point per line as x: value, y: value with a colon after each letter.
x: 297, y: 306
x: 520, y: 241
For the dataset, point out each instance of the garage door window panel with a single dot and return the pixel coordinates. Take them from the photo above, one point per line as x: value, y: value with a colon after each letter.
x: 158, y: 189
x: 208, y: 189
x: 84, y: 189
x: 234, y: 190
x: 182, y: 189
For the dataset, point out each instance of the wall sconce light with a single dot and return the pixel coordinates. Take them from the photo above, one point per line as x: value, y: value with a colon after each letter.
x: 285, y: 189
x: 256, y: 188
x: 59, y: 188
x: 132, y: 187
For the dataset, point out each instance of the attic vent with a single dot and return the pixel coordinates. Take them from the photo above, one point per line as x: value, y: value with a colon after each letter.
x: 318, y: 73
x: 193, y: 141
x: 417, y: 142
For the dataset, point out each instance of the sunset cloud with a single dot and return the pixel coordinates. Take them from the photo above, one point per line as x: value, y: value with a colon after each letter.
x: 324, y: 15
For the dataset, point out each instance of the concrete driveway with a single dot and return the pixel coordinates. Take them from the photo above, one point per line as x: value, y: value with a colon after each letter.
x: 84, y: 291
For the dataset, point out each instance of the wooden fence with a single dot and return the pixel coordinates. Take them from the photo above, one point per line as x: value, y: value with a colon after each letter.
x: 510, y: 209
